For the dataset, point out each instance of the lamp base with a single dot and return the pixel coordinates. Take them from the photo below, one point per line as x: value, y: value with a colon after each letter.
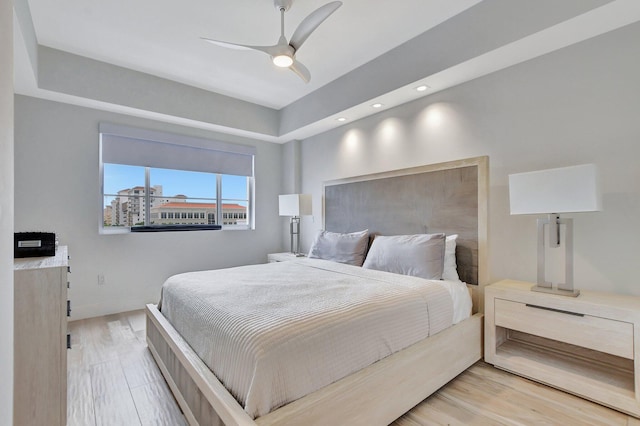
x: 294, y: 230
x: 555, y: 290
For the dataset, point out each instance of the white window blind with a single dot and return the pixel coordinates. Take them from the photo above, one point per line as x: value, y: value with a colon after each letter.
x: 147, y: 148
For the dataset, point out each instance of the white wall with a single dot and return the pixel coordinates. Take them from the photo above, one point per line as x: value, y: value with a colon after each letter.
x: 57, y: 189
x: 578, y: 105
x: 6, y: 212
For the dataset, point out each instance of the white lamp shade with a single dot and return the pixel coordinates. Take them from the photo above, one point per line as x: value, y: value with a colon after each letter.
x: 563, y: 190
x: 295, y: 205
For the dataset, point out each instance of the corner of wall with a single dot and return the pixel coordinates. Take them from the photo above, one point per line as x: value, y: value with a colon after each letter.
x: 6, y: 211
x: 291, y: 168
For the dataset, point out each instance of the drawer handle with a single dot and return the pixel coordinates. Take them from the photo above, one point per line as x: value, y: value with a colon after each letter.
x: 554, y: 310
x: 68, y: 340
x: 68, y: 308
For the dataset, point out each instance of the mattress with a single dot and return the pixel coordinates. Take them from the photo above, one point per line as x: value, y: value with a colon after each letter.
x: 275, y: 332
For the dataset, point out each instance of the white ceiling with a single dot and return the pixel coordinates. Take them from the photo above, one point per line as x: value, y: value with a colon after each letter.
x: 161, y: 38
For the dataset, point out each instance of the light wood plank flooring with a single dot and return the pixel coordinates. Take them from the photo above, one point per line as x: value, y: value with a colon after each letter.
x: 113, y: 380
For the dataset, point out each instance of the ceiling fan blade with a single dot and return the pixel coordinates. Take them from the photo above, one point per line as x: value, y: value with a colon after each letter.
x: 301, y: 70
x: 270, y: 50
x: 311, y: 22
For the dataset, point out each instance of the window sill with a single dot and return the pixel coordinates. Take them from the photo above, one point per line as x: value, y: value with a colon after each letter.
x: 169, y: 228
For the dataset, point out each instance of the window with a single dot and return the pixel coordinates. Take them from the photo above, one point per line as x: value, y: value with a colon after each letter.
x: 148, y: 177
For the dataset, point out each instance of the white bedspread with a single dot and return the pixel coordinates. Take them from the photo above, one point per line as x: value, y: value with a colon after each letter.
x: 275, y: 332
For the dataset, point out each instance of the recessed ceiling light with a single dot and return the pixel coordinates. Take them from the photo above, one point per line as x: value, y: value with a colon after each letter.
x: 378, y: 105
x: 422, y: 88
x: 342, y: 119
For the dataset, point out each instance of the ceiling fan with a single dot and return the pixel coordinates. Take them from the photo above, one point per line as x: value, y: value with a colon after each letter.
x: 283, y: 54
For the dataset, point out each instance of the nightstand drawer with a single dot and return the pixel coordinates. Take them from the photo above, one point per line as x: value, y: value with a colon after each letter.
x: 600, y: 334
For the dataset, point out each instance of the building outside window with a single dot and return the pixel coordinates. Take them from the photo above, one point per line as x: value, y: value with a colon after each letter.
x: 181, y: 209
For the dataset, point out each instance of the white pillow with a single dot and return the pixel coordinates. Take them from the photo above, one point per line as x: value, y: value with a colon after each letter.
x: 450, y: 271
x: 343, y: 248
x: 420, y: 255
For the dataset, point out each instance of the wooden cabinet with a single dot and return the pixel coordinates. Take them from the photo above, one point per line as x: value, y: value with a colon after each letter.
x: 588, y: 345
x: 40, y: 340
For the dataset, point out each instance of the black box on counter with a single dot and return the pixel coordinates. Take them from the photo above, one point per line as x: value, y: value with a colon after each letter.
x: 34, y: 244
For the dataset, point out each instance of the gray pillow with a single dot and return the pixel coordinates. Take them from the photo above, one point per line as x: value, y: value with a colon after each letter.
x: 420, y: 255
x: 343, y: 248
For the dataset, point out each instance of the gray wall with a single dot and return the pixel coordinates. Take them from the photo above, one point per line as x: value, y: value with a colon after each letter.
x: 57, y: 189
x: 6, y: 212
x: 574, y: 106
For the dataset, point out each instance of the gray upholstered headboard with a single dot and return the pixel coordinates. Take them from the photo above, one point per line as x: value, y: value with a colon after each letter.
x: 447, y: 197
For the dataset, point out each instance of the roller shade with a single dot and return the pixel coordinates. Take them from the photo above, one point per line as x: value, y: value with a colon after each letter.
x: 140, y: 147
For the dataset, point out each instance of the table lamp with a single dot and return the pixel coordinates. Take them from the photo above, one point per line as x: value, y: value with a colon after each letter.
x: 553, y: 191
x: 295, y: 205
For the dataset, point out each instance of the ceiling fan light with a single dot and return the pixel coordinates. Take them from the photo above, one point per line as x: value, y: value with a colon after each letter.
x: 283, y: 61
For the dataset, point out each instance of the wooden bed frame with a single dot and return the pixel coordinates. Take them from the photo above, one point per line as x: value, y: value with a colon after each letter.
x: 375, y: 395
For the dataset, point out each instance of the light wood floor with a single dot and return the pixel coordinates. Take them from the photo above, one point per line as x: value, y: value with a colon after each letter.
x: 113, y: 380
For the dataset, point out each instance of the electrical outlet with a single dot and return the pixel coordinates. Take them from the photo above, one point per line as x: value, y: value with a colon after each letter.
x: 101, y: 279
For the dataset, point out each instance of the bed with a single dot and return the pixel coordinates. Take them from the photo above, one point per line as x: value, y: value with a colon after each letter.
x: 441, y: 198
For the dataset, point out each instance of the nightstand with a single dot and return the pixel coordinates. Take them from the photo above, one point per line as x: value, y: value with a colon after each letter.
x: 588, y: 345
x: 283, y: 257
